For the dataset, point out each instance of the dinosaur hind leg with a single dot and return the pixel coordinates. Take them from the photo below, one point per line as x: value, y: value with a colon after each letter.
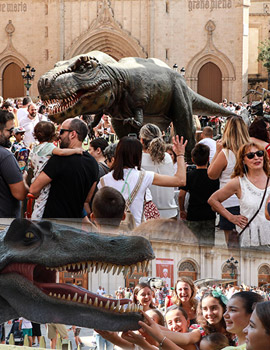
x: 122, y: 130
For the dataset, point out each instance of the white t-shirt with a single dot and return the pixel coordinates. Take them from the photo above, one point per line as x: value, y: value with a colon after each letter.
x: 211, y: 144
x: 25, y: 323
x: 136, y: 207
x: 21, y: 113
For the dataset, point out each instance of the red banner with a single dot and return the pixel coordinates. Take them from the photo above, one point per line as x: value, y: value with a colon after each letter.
x: 164, y: 269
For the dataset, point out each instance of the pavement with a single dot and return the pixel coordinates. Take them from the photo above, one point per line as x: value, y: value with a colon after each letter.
x: 86, y: 336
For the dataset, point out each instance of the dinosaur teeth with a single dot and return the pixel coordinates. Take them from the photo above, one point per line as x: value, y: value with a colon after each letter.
x: 107, y: 306
x: 75, y: 297
x: 85, y: 298
x: 95, y: 302
x: 117, y: 306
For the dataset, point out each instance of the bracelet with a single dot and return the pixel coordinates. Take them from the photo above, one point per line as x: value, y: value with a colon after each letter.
x: 161, y: 343
x: 180, y: 155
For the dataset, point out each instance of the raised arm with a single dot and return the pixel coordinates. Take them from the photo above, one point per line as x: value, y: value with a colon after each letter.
x: 66, y: 151
x: 179, y: 178
x: 41, y: 181
x: 218, y: 164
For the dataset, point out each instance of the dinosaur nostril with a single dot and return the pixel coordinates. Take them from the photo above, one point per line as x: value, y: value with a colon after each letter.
x: 47, y: 83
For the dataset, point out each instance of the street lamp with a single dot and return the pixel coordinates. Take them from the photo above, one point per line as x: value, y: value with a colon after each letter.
x: 175, y: 67
x: 232, y: 265
x: 28, y: 74
x: 183, y: 72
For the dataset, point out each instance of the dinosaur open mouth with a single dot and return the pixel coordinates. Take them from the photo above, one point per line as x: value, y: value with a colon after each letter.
x: 45, y: 278
x: 60, y: 105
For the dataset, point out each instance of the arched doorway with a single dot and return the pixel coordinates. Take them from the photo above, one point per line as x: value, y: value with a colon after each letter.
x: 263, y: 275
x: 228, y: 273
x: 12, y: 81
x: 210, y: 82
x: 79, y: 279
x: 188, y: 269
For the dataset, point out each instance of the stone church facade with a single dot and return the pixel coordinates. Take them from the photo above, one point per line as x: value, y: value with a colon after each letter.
x: 209, y: 38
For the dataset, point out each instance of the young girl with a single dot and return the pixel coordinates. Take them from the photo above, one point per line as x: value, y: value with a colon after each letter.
x: 258, y: 331
x: 214, y: 341
x: 45, y: 133
x: 143, y: 295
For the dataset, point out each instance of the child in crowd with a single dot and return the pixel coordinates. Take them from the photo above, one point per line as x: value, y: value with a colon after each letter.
x: 45, y: 133
x: 21, y: 153
x: 108, y: 210
x: 200, y: 217
x: 214, y: 341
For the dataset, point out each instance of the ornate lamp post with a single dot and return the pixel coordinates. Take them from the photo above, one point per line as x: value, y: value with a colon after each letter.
x: 183, y: 72
x: 28, y: 74
x: 232, y: 265
x: 175, y: 67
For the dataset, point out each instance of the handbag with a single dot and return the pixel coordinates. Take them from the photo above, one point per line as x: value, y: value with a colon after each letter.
x: 150, y: 211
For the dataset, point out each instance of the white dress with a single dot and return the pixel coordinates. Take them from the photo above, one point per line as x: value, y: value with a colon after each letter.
x: 258, y: 233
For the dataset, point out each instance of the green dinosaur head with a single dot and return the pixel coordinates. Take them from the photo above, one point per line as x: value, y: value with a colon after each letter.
x: 31, y: 254
x: 77, y: 86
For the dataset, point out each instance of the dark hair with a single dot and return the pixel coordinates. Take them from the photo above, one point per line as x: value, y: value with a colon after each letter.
x: 26, y: 100
x: 99, y: 142
x: 7, y: 104
x: 263, y: 311
x: 5, y: 116
x: 80, y: 127
x: 139, y: 287
x: 249, y: 299
x: 179, y: 308
x: 220, y: 340
x: 108, y: 203
x: 128, y: 155
x: 109, y: 151
x: 258, y: 129
x: 161, y: 320
x: 44, y: 131
x: 200, y: 154
x: 42, y: 109
x: 169, y: 147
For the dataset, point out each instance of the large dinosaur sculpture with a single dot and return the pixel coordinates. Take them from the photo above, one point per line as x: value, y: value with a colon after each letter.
x: 134, y: 91
x: 32, y: 253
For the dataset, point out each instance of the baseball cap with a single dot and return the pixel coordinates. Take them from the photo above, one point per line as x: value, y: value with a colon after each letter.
x: 19, y: 130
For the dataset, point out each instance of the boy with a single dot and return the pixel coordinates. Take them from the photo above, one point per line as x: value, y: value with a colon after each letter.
x: 200, y: 217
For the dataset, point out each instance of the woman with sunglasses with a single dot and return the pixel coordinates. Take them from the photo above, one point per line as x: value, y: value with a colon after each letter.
x: 249, y: 181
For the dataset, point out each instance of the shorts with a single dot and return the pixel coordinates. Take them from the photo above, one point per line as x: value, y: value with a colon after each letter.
x: 27, y: 331
x: 36, y: 329
x: 225, y: 224
x: 60, y: 328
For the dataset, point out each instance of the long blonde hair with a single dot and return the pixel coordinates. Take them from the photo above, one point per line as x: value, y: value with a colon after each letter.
x: 235, y: 134
x: 153, y: 142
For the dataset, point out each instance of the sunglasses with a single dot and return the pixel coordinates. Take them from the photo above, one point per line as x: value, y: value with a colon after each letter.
x: 251, y: 155
x: 63, y: 130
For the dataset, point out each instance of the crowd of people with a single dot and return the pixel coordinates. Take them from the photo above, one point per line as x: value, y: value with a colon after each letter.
x: 111, y: 185
x: 209, y: 317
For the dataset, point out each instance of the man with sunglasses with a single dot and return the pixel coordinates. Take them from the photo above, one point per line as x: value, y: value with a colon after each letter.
x: 73, y: 178
x: 12, y: 187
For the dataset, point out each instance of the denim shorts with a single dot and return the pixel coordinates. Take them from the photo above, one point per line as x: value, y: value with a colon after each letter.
x: 225, y: 224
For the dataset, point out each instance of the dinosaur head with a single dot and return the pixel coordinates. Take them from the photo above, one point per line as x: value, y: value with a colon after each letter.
x: 31, y: 254
x: 77, y: 86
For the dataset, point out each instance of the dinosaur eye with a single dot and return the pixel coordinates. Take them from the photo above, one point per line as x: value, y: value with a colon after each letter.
x: 29, y: 235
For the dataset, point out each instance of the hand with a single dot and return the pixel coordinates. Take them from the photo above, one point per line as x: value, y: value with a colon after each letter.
x: 78, y: 151
x: 179, y: 146
x: 152, y: 328
x: 239, y: 220
x: 183, y: 214
x: 133, y: 338
x: 219, y: 146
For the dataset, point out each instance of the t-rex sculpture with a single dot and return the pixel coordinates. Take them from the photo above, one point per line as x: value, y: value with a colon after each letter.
x: 32, y: 253
x: 133, y: 91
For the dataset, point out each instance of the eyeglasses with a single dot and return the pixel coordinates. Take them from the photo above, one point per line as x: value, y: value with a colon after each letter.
x: 251, y: 155
x: 10, y: 130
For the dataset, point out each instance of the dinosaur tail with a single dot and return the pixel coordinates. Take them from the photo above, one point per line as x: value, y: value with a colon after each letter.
x: 203, y: 106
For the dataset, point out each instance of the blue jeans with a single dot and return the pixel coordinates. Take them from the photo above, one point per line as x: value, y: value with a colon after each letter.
x: 103, y: 344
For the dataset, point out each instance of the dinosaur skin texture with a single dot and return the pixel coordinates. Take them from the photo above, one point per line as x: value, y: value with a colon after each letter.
x: 133, y: 91
x: 32, y: 253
